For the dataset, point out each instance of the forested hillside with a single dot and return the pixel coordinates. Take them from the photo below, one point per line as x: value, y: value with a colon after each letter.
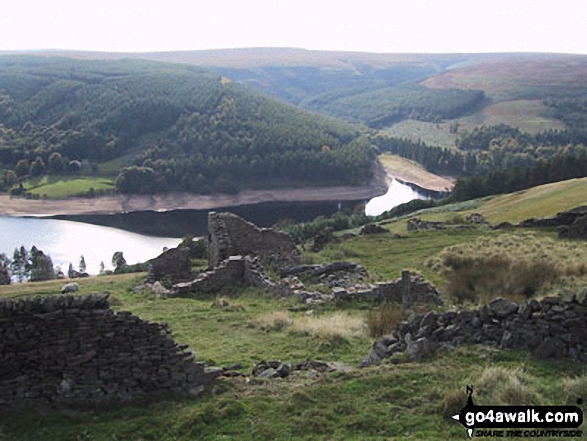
x: 176, y: 127
x: 383, y: 107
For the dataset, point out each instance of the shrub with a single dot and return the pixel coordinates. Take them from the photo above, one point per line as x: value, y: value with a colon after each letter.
x: 383, y: 320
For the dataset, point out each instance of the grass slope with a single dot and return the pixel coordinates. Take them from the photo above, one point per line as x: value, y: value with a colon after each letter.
x: 542, y: 201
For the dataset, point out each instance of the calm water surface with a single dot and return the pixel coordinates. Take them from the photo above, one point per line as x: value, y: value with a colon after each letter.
x: 397, y: 194
x: 66, y: 241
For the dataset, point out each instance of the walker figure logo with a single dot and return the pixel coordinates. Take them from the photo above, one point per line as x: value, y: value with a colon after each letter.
x: 549, y: 421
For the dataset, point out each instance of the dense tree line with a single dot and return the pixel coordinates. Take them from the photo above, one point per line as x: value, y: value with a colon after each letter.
x: 383, y: 107
x: 488, y: 149
x: 506, y: 180
x: 434, y: 159
x: 571, y: 109
x: 185, y: 127
x: 484, y: 138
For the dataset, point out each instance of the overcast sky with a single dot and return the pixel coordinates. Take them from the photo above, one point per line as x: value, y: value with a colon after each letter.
x: 361, y: 25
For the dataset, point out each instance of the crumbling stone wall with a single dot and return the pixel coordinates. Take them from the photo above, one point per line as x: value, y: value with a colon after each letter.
x: 172, y: 266
x: 231, y: 235
x: 550, y: 328
x: 571, y: 224
x: 244, y: 270
x: 420, y: 291
x: 64, y: 349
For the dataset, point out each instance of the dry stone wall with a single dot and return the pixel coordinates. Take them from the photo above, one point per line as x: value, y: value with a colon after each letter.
x: 550, y: 328
x: 65, y: 349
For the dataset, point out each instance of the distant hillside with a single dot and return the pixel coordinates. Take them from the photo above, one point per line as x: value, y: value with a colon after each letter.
x: 179, y: 127
x: 342, y: 84
x: 315, y: 80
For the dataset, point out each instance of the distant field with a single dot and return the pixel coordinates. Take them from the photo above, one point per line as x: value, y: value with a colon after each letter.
x: 431, y: 133
x: 530, y: 116
x: 413, y: 172
x: 54, y: 187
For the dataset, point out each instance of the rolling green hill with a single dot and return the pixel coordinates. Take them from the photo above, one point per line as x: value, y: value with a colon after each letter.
x: 179, y: 127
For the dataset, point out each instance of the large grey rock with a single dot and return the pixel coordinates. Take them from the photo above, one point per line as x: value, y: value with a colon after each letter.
x: 502, y: 307
x: 159, y: 290
x: 551, y: 348
x: 69, y: 287
x: 419, y: 349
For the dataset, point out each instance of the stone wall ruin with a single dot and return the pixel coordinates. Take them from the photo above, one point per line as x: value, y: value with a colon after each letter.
x: 68, y: 349
x: 231, y: 235
x: 550, y: 328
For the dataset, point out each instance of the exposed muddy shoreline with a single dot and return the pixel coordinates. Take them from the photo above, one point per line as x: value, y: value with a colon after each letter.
x: 184, y: 201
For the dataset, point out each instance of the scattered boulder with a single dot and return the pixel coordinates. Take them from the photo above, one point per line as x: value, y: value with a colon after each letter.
x: 322, y: 269
x: 476, y: 218
x: 69, y: 287
x: 502, y: 307
x: 372, y: 229
x: 159, y: 290
x: 278, y: 369
x: 419, y: 349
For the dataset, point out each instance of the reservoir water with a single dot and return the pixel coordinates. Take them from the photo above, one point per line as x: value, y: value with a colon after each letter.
x: 66, y: 241
x: 143, y: 235
x: 398, y: 193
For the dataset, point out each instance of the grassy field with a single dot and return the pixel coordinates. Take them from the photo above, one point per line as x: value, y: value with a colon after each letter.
x: 61, y: 187
x: 435, y: 134
x: 530, y: 116
x: 396, y: 400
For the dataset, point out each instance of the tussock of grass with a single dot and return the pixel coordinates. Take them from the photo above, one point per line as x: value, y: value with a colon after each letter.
x: 383, y: 320
x: 506, y: 386
x: 515, y: 265
x: 332, y: 328
x: 574, y: 388
x: 274, y: 321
